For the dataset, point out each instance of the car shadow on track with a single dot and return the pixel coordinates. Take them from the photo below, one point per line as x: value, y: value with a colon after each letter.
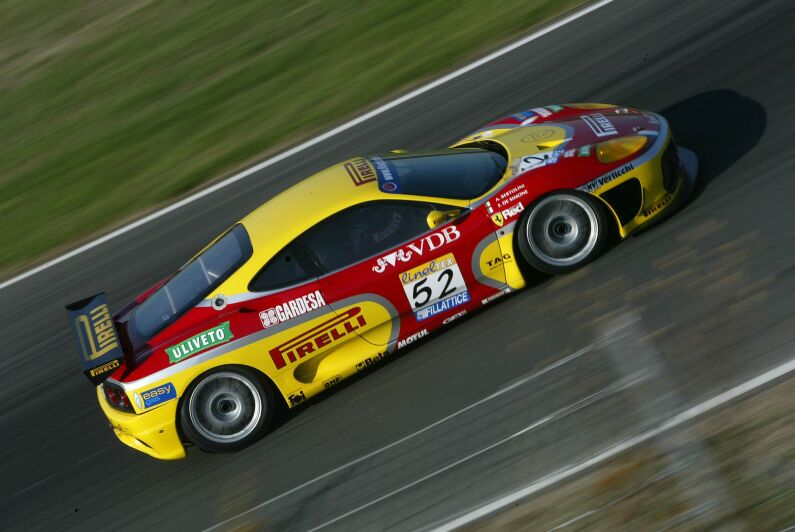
x: 720, y: 126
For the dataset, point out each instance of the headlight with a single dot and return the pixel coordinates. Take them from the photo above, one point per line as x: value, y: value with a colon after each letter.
x: 616, y: 149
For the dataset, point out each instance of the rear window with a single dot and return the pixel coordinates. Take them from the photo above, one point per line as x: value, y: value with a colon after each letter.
x: 455, y: 173
x: 192, y: 283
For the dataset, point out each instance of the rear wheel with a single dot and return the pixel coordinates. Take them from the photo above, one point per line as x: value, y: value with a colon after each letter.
x: 563, y: 231
x: 226, y: 409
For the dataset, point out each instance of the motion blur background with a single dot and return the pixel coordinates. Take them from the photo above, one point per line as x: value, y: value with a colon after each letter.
x: 593, y: 394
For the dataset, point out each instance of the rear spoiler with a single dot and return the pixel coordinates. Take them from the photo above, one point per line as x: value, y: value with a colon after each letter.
x: 97, y: 341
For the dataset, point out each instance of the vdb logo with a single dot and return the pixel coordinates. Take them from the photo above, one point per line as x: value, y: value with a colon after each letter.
x: 431, y: 242
x: 500, y: 218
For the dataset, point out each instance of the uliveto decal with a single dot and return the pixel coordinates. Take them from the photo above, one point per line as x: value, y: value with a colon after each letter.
x: 291, y: 309
x: 319, y: 337
x: 424, y: 245
x: 196, y: 344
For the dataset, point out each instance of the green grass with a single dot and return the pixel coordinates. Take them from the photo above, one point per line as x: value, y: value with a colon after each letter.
x: 109, y: 107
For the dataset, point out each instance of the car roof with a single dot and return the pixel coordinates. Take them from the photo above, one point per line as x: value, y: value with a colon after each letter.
x: 281, y: 219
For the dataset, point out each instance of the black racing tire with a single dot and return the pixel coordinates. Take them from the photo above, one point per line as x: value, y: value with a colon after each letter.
x: 227, y: 409
x: 563, y: 231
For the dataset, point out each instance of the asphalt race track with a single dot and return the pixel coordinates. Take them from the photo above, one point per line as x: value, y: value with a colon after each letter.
x: 711, y: 292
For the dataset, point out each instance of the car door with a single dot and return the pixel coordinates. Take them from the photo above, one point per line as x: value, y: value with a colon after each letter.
x: 395, y: 273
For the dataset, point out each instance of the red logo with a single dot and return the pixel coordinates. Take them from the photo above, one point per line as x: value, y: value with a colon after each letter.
x: 318, y: 337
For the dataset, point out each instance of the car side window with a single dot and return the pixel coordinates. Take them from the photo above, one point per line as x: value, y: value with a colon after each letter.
x: 364, y: 231
x: 288, y: 267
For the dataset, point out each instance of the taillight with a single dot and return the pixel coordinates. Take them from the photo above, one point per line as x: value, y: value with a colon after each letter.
x: 116, y: 397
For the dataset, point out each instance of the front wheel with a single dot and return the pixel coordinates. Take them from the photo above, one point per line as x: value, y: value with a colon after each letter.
x: 562, y: 231
x: 226, y: 409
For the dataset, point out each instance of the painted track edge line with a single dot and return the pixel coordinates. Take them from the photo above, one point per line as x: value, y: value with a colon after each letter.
x: 673, y: 422
x: 308, y: 144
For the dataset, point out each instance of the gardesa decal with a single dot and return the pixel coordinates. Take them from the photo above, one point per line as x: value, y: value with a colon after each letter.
x: 426, y: 244
x: 605, y: 179
x: 434, y: 287
x: 318, y: 337
x: 599, y: 124
x: 218, y: 335
x: 290, y: 309
x: 499, y: 218
x: 360, y: 171
x: 155, y: 396
x: 387, y: 175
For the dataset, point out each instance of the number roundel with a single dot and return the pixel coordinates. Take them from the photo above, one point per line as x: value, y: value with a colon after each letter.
x: 434, y: 287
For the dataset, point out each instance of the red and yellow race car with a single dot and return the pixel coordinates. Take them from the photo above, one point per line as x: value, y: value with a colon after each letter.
x: 387, y: 249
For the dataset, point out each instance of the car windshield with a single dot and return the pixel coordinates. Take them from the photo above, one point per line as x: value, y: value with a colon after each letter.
x: 455, y: 174
x: 192, y: 283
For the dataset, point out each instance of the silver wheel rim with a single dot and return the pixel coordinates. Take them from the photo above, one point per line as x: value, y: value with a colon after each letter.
x: 562, y: 230
x: 225, y: 407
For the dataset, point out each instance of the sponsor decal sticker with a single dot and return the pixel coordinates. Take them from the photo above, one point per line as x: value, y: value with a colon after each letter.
x: 531, y: 162
x: 360, y: 171
x: 599, y: 124
x: 657, y: 206
x: 99, y: 336
x: 336, y: 379
x: 411, y: 339
x: 291, y: 309
x: 155, y: 396
x: 499, y: 261
x: 501, y: 217
x: 318, y: 337
x: 524, y: 115
x: 370, y: 361
x: 605, y: 179
x: 220, y: 334
x: 387, y: 175
x: 434, y: 287
x: 584, y: 151
x: 426, y: 244
x: 454, y: 317
x: 495, y: 296
x: 104, y: 368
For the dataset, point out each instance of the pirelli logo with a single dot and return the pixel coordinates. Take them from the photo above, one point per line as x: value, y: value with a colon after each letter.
x: 318, y: 338
x: 104, y: 368
x: 98, y: 336
x: 360, y: 171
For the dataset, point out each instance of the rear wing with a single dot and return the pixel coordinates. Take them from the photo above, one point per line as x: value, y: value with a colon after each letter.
x: 97, y: 341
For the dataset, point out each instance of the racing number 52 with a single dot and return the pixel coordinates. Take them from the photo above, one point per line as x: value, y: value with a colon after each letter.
x: 426, y: 292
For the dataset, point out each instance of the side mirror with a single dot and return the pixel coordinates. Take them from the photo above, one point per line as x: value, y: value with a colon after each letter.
x: 436, y: 218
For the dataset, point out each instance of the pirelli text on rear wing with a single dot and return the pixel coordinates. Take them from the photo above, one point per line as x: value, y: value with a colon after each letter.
x: 97, y: 341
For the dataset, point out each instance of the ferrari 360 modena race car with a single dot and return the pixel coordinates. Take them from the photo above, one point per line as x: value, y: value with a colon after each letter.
x: 386, y: 249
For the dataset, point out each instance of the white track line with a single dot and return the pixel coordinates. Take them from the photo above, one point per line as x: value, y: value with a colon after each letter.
x: 611, y: 452
x: 502, y: 391
x: 308, y: 144
x: 616, y: 387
